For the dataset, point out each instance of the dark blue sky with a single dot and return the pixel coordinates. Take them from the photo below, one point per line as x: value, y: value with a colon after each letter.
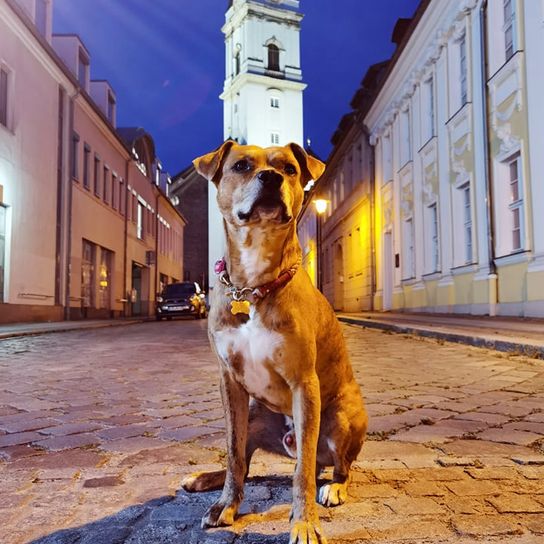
x: 165, y: 60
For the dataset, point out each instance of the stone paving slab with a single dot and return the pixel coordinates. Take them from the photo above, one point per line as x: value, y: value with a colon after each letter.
x: 97, y: 428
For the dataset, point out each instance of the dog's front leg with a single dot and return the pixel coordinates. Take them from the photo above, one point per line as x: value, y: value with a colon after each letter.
x: 236, y: 406
x: 305, y: 527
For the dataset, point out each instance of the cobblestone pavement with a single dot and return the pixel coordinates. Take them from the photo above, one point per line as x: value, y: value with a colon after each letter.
x: 97, y: 428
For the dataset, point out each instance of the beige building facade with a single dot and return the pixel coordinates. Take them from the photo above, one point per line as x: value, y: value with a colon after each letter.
x: 87, y: 229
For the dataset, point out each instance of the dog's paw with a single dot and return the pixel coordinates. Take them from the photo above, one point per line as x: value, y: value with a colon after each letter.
x: 219, y: 515
x: 332, y: 494
x: 306, y: 532
x: 203, y: 481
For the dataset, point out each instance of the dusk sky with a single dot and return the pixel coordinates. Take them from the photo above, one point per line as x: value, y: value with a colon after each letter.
x: 165, y: 61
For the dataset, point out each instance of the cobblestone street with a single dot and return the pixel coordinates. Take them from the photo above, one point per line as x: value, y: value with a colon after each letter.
x: 98, y: 427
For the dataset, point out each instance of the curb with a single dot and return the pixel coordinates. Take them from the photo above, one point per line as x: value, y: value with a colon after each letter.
x: 76, y: 327
x: 529, y: 350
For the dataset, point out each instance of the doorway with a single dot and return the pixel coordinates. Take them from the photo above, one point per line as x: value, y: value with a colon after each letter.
x: 338, y: 299
x: 136, y: 290
x: 387, y: 271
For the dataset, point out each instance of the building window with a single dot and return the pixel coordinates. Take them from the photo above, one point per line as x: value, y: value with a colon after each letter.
x: 97, y: 175
x: 104, y: 278
x: 75, y: 156
x: 83, y: 69
x: 2, y: 249
x: 275, y: 138
x: 114, y: 190
x: 516, y: 203
x: 434, y: 246
x: 405, y: 140
x: 408, y: 241
x: 41, y: 16
x: 387, y: 158
x: 87, y: 274
x: 237, y: 63
x: 86, y: 166
x: 140, y: 221
x: 428, y: 113
x: 106, y: 175
x: 509, y: 9
x: 274, y: 102
x: 463, y: 70
x: 467, y: 221
x: 273, y: 58
x: 122, y: 196
x: 4, y: 98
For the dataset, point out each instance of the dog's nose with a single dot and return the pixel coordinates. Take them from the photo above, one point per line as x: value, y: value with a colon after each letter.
x: 270, y: 177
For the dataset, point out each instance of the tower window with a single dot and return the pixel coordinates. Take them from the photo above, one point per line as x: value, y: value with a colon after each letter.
x: 237, y: 63
x: 274, y: 102
x: 273, y: 58
x: 275, y: 138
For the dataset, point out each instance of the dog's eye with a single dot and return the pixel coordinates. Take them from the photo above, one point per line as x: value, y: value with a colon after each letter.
x: 290, y: 169
x: 241, y: 166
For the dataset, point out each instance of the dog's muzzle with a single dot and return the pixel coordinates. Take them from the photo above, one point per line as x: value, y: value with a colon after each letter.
x: 269, y: 203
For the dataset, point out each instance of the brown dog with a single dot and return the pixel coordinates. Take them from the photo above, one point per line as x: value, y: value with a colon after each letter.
x: 277, y: 340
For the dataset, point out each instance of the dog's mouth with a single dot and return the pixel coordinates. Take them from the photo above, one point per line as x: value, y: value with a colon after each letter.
x: 268, y: 209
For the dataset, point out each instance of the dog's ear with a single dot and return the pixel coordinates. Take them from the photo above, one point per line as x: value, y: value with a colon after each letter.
x: 310, y: 167
x: 209, y: 166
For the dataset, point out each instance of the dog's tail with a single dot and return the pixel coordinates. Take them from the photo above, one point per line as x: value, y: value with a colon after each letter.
x: 204, y: 481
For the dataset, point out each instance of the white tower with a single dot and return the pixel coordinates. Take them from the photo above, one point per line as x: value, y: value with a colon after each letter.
x: 263, y: 85
x: 263, y: 81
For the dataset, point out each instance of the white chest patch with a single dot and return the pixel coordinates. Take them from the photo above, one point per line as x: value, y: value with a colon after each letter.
x: 253, y: 346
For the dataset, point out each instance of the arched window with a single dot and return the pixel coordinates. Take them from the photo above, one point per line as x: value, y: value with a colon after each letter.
x: 237, y: 63
x: 273, y: 58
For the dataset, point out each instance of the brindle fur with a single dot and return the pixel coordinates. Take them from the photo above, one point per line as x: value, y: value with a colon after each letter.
x: 310, y: 378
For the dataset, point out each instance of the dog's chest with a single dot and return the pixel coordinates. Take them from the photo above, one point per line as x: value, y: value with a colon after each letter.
x: 252, y: 353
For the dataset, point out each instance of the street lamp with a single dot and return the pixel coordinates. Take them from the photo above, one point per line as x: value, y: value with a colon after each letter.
x: 321, y: 206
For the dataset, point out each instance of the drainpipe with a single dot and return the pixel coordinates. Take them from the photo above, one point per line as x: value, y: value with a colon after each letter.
x: 493, y: 284
x: 126, y: 296
x: 68, y: 272
x: 372, y: 169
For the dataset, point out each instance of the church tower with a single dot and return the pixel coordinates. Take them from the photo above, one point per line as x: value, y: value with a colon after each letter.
x: 263, y: 81
x: 263, y: 88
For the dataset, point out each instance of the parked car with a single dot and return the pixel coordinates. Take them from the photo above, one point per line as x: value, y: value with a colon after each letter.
x: 183, y: 298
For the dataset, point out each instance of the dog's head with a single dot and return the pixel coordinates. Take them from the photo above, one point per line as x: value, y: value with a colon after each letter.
x: 258, y: 185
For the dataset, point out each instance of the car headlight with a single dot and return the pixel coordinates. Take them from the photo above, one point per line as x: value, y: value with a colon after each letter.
x: 165, y: 307
x: 159, y: 299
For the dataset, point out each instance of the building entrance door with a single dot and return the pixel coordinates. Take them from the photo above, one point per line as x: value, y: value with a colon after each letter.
x: 338, y: 277
x: 387, y: 271
x: 136, y: 294
x: 87, y: 277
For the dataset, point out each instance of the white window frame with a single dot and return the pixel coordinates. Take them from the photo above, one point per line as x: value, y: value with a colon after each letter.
x: 405, y: 137
x: 468, y: 232
x: 428, y: 110
x: 434, y: 238
x: 463, y: 70
x: 516, y: 205
x: 6, y: 122
x: 387, y: 158
x: 509, y: 24
x: 140, y: 207
x: 408, y: 246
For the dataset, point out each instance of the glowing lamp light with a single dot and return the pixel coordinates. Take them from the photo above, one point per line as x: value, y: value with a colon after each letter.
x: 321, y: 205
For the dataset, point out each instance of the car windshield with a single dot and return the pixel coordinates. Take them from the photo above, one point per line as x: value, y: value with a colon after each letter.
x: 178, y: 290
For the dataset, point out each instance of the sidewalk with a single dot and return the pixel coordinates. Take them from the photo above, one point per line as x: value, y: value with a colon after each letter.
x: 511, y: 334
x: 28, y: 329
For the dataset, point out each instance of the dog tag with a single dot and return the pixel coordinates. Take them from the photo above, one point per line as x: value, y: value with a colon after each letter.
x: 240, y: 307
